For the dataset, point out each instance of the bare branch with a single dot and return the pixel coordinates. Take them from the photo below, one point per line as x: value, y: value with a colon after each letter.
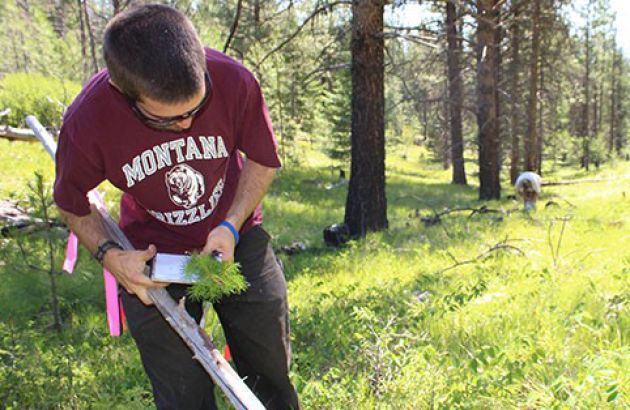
x: 297, y: 31
x: 414, y: 39
x: 237, y: 16
x: 498, y: 247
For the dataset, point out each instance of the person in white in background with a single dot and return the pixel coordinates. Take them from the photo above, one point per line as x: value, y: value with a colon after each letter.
x: 528, y: 187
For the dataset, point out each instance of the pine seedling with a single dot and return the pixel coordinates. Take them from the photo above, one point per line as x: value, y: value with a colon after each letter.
x: 216, y: 279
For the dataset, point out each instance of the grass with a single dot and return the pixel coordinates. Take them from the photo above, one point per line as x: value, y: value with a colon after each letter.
x: 382, y: 323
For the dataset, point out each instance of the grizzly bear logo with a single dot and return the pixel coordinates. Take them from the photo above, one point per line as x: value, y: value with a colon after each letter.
x: 185, y: 185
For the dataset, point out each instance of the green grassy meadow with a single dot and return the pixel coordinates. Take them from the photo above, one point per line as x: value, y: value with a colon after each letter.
x: 387, y: 322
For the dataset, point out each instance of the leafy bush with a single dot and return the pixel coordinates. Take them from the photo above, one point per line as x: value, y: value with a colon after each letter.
x: 35, y: 94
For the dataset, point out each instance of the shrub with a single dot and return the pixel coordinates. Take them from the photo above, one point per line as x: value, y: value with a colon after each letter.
x: 35, y: 94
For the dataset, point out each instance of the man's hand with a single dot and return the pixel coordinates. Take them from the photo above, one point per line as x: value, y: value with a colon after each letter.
x: 220, y: 240
x: 252, y: 185
x: 128, y: 267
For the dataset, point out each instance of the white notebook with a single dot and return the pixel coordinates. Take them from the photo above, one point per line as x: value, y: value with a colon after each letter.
x: 168, y: 267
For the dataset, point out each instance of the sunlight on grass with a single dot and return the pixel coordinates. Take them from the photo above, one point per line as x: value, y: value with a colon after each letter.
x: 408, y: 318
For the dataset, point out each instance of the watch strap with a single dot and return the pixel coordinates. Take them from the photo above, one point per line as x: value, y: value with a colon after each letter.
x: 104, y: 247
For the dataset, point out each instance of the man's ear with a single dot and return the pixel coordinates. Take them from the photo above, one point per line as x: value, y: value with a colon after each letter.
x: 115, y: 85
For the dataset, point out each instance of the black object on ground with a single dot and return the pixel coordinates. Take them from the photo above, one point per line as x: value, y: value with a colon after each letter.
x: 336, y: 235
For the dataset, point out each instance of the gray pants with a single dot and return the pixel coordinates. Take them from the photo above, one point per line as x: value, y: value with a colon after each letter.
x: 256, y: 327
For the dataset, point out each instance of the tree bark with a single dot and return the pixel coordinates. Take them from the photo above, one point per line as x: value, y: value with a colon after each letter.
x: 487, y: 94
x: 595, y: 126
x: 59, y: 18
x: 56, y: 311
x: 539, y: 134
x: 586, y: 123
x: 84, y: 58
x: 531, y: 141
x: 116, y: 6
x: 88, y: 27
x: 256, y: 12
x: 234, y: 27
x: 366, y: 205
x: 444, y: 118
x: 455, y: 94
x: 600, y: 108
x: 515, y: 106
x: 613, y: 101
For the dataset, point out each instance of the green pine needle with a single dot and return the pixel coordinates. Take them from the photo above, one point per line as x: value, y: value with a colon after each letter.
x: 216, y: 279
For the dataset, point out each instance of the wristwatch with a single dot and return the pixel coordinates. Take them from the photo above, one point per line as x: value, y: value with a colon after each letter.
x: 104, y: 247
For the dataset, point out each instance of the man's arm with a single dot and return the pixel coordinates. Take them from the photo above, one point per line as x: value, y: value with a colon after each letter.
x: 252, y: 186
x: 126, y: 266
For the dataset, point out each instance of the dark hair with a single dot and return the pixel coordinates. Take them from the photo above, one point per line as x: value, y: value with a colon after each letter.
x: 154, y: 51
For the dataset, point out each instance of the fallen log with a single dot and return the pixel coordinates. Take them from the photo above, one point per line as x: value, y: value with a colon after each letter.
x: 15, y: 219
x: 17, y: 134
x: 12, y: 212
x: 30, y: 227
x: 579, y: 181
x: 177, y: 317
x: 436, y: 218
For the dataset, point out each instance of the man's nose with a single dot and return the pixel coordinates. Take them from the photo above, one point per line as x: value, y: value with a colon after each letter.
x: 185, y: 124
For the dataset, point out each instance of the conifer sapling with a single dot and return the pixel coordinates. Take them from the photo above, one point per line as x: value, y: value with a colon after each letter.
x: 216, y: 279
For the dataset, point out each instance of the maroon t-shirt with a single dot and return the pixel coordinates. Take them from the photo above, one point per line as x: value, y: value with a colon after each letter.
x: 176, y: 186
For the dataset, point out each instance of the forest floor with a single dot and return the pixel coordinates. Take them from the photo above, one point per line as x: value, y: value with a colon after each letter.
x: 489, y: 310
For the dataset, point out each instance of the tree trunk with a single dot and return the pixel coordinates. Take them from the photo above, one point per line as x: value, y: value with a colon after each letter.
x: 256, y: 12
x: 540, y: 134
x: 14, y: 47
x: 234, y: 27
x: 613, y: 101
x: 84, y: 58
x: 487, y: 94
x: 88, y: 27
x: 116, y: 6
x: 283, y: 139
x: 57, y: 324
x: 531, y: 141
x: 586, y: 124
x: 425, y: 120
x: 444, y: 134
x: 366, y: 206
x: 600, y: 108
x: 59, y: 18
x: 26, y: 60
x: 595, y: 127
x: 515, y: 106
x: 45, y: 207
x: 455, y: 94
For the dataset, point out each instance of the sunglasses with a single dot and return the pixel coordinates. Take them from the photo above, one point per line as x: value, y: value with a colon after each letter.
x: 166, y: 122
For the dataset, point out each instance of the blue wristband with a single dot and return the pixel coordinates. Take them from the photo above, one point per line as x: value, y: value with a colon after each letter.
x: 232, y: 229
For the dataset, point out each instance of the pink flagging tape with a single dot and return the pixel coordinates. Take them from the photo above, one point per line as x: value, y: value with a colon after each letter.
x: 71, y: 253
x: 111, y: 303
x: 111, y: 286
